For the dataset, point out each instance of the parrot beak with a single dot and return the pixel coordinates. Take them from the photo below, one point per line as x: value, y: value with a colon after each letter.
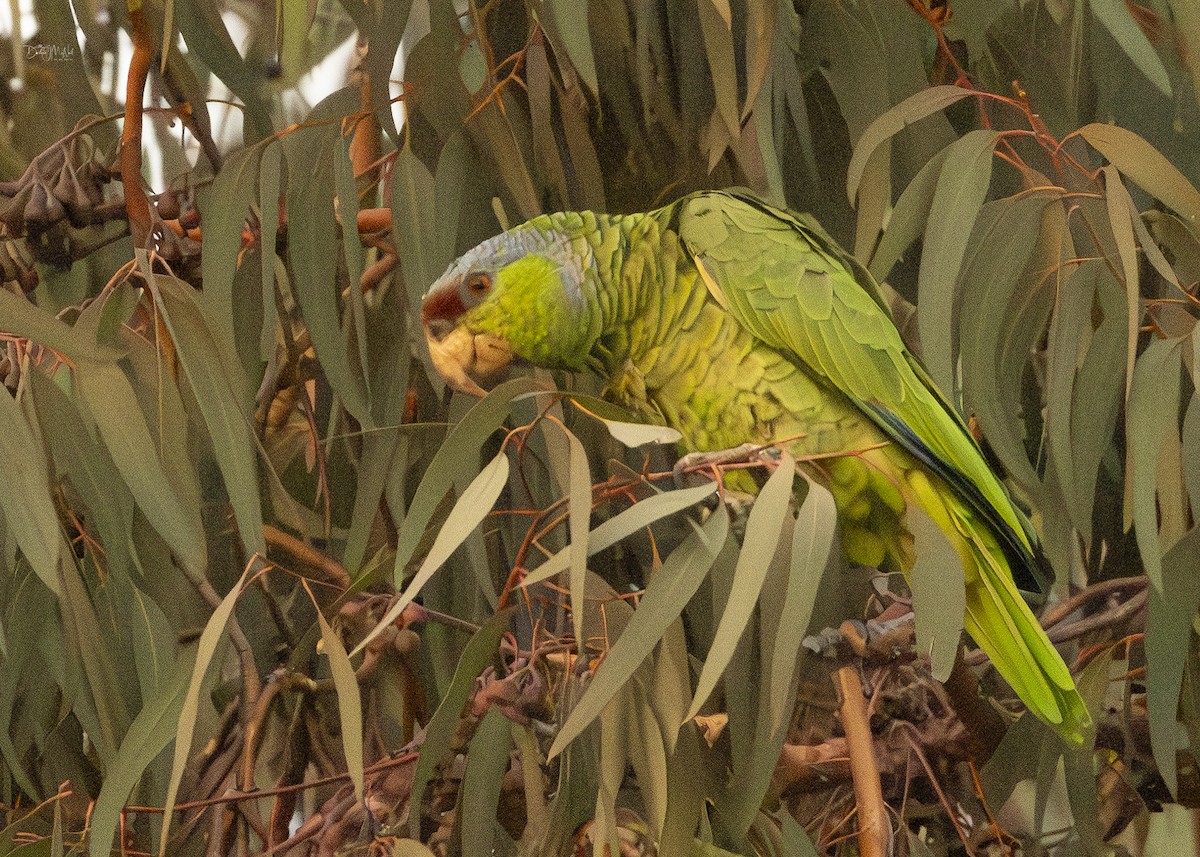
x: 463, y: 358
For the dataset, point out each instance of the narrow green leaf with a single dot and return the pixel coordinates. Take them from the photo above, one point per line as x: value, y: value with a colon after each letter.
x: 962, y: 184
x: 668, y: 592
x: 536, y: 817
x: 1191, y: 452
x: 761, y: 20
x: 375, y: 465
x: 20, y: 317
x: 1172, y: 607
x: 269, y: 183
x: 215, y: 383
x: 414, y: 202
x: 756, y: 732
x: 352, y: 251
x: 56, y: 831
x: 634, y: 435
x: 210, y: 639
x: 151, y: 731
x: 1117, y: 18
x: 567, y: 27
x: 449, y: 466
x: 449, y: 181
x: 1070, y: 331
x: 227, y: 205
x: 670, y: 688
x: 685, y: 793
x: 1080, y: 782
x: 472, y: 507
x: 25, y: 499
x: 939, y: 593
x: 649, y: 758
x: 440, y: 732
x: 310, y: 154
x: 763, y: 530
x: 81, y: 630
x: 80, y: 456
x: 206, y: 35
x: 624, y: 524
x: 812, y: 543
x: 796, y: 841
x: 498, y: 138
x: 1015, y: 760
x: 1152, y: 412
x: 386, y: 29
x: 349, y: 701
x: 579, y: 513
x: 1119, y: 213
x: 110, y: 399
x: 874, y: 200
x: 716, y: 25
x: 1099, y: 390
x: 1002, y: 322
x: 909, y: 217
x: 487, y: 761
x: 910, y: 110
x: 1147, y: 167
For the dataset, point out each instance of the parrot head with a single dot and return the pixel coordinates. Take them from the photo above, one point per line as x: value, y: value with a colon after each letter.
x: 517, y: 298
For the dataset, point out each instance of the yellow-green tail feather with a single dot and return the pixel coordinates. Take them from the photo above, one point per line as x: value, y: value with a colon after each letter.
x: 999, y: 620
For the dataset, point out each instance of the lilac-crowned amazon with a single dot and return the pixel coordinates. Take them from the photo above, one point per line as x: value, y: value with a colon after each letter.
x: 733, y: 321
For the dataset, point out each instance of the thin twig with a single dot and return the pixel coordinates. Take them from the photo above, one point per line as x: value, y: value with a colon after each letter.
x: 874, y: 831
x: 137, y: 206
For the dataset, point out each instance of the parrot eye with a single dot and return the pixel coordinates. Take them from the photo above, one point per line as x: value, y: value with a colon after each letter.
x: 479, y: 284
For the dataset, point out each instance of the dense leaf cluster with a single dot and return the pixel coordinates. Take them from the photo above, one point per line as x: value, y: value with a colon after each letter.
x: 262, y: 577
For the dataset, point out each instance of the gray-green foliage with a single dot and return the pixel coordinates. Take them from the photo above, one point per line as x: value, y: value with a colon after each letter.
x: 1048, y: 232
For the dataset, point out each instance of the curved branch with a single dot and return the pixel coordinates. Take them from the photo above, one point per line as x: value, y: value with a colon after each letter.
x: 137, y: 206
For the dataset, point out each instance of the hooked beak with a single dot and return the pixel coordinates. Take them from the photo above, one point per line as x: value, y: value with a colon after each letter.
x: 463, y: 358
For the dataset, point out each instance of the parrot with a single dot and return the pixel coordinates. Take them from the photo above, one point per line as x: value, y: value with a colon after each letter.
x: 732, y: 320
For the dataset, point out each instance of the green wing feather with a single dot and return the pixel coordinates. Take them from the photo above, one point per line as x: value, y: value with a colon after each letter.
x: 789, y: 284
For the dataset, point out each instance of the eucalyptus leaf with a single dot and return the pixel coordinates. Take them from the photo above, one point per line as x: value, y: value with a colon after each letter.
x: 149, y: 733
x: 668, y: 592
x: 1152, y: 412
x: 763, y: 531
x: 961, y: 186
x: 624, y: 524
x: 908, y: 111
x: 349, y: 702
x: 1146, y: 166
x: 1172, y: 607
x: 472, y: 507
x: 25, y: 501
x: 487, y: 761
x: 189, y: 711
x: 1117, y: 18
x: 440, y: 731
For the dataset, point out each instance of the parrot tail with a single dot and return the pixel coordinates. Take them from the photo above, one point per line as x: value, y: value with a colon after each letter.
x: 999, y: 620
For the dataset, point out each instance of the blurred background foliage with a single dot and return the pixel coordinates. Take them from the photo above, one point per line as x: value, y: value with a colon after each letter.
x: 258, y: 569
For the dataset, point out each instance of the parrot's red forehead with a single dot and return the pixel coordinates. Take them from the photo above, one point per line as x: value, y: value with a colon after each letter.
x: 443, y: 304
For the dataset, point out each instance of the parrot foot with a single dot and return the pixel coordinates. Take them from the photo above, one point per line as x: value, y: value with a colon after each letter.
x: 878, y: 639
x: 690, y: 469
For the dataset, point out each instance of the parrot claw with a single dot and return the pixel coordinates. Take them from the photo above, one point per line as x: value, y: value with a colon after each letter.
x: 690, y: 469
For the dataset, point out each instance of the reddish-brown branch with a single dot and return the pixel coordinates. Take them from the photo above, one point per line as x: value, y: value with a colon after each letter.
x: 326, y: 568
x: 874, y: 830
x: 137, y: 206
x: 237, y: 797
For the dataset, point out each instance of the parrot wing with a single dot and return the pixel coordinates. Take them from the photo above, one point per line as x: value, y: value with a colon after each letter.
x: 790, y: 285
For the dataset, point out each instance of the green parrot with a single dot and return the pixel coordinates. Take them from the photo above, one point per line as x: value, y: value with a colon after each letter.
x: 733, y: 321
